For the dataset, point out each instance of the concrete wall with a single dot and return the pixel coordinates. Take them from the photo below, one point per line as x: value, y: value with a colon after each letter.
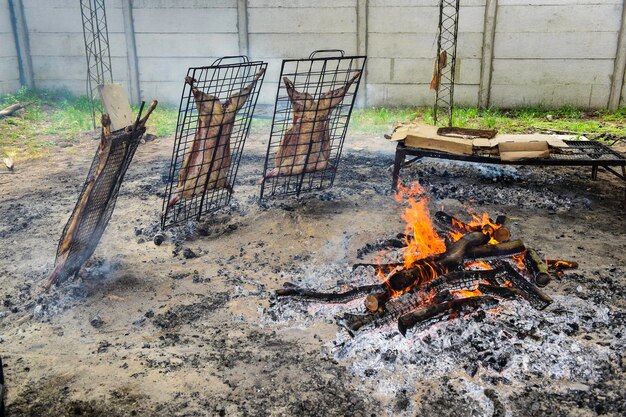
x: 9, y: 67
x: 554, y: 52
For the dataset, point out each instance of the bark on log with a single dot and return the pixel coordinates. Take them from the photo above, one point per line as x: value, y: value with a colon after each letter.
x: 530, y: 292
x: 8, y: 111
x: 415, y: 317
x: 500, y: 250
x: 538, y: 268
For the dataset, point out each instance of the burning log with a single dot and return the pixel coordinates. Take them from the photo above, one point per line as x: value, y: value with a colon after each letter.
x: 500, y: 250
x: 453, y: 226
x: 503, y: 292
x: 97, y: 199
x: 415, y: 317
x: 530, y: 292
x: 305, y: 147
x: 538, y: 267
x: 207, y: 161
x: 559, y: 265
x: 395, y: 308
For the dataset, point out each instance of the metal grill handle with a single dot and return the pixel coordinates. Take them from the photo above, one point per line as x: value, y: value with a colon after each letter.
x: 327, y: 51
x: 243, y: 58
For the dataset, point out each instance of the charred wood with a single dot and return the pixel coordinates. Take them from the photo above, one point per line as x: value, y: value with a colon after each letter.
x: 500, y: 250
x: 291, y: 290
x: 415, y: 317
x: 530, y: 292
x: 538, y: 268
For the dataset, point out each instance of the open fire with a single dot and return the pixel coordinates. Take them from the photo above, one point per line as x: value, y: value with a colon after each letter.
x: 448, y: 267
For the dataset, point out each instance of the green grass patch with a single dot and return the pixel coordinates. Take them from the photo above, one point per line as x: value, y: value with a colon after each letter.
x: 521, y: 120
x: 55, y: 117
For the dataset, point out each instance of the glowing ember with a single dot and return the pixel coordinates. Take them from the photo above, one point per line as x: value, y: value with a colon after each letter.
x: 465, y: 293
x: 478, y: 265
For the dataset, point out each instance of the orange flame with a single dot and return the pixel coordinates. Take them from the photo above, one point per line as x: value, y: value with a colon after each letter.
x: 482, y: 222
x: 478, y: 265
x: 466, y: 293
x: 425, y: 240
x: 519, y: 260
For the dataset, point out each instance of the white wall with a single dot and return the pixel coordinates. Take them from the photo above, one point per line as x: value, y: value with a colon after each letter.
x: 402, y: 44
x: 554, y: 52
x: 57, y: 45
x: 9, y: 67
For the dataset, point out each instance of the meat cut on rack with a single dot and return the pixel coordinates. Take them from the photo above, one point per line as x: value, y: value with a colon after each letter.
x: 208, y: 159
x: 305, y: 147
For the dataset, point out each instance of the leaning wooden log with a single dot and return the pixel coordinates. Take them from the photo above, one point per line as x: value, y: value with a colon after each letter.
x: 537, y: 298
x: 415, y: 317
x: 8, y: 111
x: 538, y: 267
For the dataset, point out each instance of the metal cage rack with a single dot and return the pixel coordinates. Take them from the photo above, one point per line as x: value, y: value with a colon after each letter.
x: 97, y: 200
x: 314, y: 102
x: 216, y: 108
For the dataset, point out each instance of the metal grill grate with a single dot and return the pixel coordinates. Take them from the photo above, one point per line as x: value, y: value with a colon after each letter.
x: 314, y: 102
x: 214, y: 117
x: 96, y: 202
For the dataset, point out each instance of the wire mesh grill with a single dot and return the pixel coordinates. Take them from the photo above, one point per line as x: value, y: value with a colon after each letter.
x: 215, y: 112
x: 96, y: 37
x: 96, y: 202
x: 446, y: 52
x: 314, y: 102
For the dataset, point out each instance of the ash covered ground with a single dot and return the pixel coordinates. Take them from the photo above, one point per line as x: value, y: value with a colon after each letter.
x: 191, y: 327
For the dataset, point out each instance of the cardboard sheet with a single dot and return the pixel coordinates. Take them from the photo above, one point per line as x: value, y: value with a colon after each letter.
x: 426, y: 137
x: 515, y: 151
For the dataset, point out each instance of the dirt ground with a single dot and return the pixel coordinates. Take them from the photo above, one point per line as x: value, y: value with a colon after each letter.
x: 146, y: 331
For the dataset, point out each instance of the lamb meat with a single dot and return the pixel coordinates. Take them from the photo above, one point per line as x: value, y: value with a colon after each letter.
x: 207, y: 161
x: 95, y: 187
x: 305, y: 147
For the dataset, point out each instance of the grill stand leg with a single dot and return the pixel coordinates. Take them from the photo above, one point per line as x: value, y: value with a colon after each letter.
x: 400, y: 156
x: 594, y: 172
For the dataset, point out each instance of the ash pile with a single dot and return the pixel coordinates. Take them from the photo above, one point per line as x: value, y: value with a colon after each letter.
x: 455, y: 321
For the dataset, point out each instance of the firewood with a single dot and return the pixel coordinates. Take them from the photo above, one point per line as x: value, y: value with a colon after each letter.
x: 415, y: 317
x: 8, y: 111
x: 514, y: 247
x: 291, y: 290
x: 538, y: 267
x: 558, y: 265
x: 530, y: 292
x: 504, y: 292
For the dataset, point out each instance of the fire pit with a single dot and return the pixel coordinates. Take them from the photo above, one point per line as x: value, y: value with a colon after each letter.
x: 461, y: 268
